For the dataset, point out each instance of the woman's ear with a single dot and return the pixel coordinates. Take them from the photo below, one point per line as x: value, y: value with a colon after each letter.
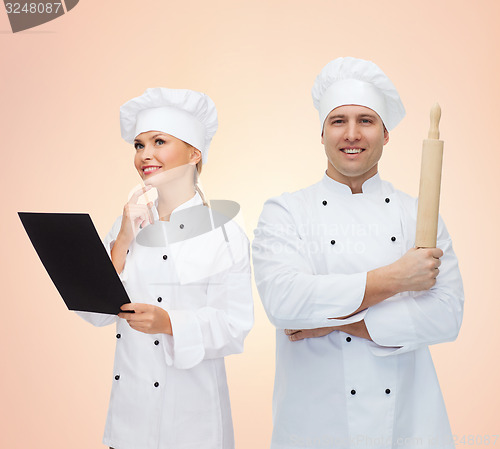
x: 195, y: 156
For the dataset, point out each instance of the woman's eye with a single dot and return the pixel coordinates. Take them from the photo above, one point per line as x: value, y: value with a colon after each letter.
x: 159, y: 141
x: 138, y: 146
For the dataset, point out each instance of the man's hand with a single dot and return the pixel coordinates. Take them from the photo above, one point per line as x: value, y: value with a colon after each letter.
x: 414, y: 271
x: 300, y: 334
x: 417, y: 269
x: 147, y: 318
x: 357, y: 329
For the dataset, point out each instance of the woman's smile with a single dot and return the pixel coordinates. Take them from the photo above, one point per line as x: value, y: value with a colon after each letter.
x: 148, y: 169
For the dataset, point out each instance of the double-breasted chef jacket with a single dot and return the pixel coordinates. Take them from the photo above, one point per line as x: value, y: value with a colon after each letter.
x: 311, y: 253
x: 170, y: 391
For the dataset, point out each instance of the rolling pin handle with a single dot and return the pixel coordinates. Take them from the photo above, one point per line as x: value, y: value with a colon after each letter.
x: 435, y: 117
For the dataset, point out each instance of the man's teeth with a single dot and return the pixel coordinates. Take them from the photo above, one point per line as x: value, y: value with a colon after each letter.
x: 352, y: 150
x: 150, y: 169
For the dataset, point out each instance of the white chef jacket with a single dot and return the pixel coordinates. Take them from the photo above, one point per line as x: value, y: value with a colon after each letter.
x: 311, y: 253
x: 171, y: 391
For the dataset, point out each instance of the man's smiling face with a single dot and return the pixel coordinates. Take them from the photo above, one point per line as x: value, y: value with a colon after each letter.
x: 354, y: 137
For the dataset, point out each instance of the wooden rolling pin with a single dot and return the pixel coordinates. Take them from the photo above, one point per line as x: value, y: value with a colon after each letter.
x: 430, y: 185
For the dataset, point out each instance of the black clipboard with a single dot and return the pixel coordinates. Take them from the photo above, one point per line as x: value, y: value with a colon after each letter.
x: 75, y: 259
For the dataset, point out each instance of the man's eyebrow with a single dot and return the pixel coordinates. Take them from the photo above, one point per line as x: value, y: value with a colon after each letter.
x: 343, y: 116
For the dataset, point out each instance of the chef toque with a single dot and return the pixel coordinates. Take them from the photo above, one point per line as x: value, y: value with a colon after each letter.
x: 186, y: 114
x: 345, y: 81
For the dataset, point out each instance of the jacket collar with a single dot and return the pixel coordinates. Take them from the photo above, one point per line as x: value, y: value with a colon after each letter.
x: 194, y: 201
x: 371, y: 185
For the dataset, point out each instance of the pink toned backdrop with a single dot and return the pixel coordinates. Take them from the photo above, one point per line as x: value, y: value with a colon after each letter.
x: 61, y: 85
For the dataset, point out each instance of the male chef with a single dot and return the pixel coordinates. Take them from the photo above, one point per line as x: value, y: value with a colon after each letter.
x: 354, y: 303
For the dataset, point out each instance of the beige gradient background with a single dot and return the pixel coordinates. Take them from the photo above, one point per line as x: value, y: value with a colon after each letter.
x: 61, y: 86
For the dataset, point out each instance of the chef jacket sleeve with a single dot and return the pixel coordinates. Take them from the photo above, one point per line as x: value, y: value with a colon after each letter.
x: 219, y: 328
x: 294, y: 297
x: 109, y: 241
x: 97, y: 319
x: 102, y: 319
x: 411, y: 320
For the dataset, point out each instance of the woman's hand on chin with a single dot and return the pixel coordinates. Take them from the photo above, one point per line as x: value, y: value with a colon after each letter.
x: 135, y: 216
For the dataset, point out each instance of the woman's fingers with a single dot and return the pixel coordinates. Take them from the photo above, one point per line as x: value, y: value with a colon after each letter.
x: 138, y: 307
x: 150, y: 212
x: 128, y: 306
x: 138, y: 214
x: 126, y: 309
x: 140, y: 312
x: 147, y: 318
x: 138, y: 193
x: 135, y: 216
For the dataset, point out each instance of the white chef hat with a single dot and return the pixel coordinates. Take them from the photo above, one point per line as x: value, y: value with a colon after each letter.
x: 355, y: 81
x: 186, y: 114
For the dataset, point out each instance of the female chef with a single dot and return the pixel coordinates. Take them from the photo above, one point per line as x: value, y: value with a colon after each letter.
x: 188, y: 281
